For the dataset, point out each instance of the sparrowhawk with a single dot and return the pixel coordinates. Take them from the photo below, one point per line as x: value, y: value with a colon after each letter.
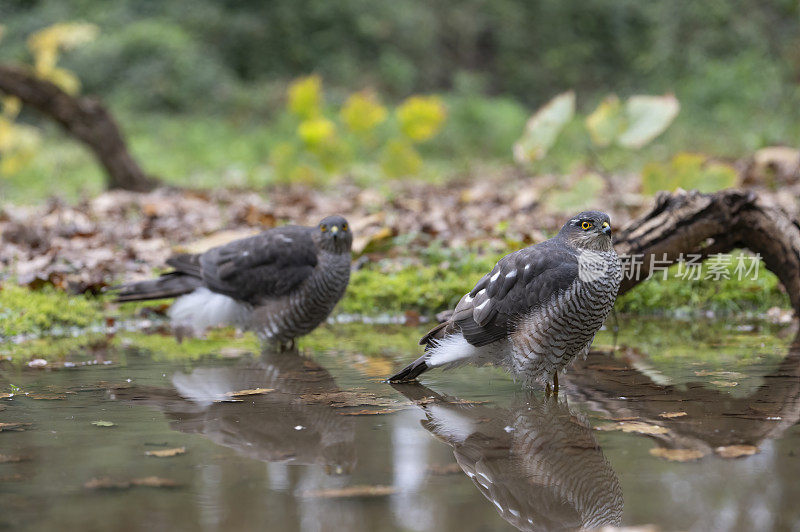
x: 281, y: 283
x: 537, y: 309
x: 537, y: 461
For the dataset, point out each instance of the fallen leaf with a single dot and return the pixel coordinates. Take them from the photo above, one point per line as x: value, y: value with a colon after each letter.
x: 677, y: 455
x: 165, y: 453
x: 727, y: 384
x: 13, y: 458
x: 367, y: 412
x: 13, y: 426
x: 6, y: 395
x: 670, y: 415
x: 103, y: 423
x: 106, y: 483
x: 254, y: 391
x: 350, y: 491
x: 633, y: 426
x: 735, y: 451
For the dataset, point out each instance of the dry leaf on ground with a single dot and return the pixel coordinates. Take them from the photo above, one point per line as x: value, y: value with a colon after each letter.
x: 735, y: 451
x: 166, y: 453
x: 103, y: 423
x: 350, y: 491
x: 670, y: 415
x: 677, y: 455
x: 254, y: 391
x: 633, y: 426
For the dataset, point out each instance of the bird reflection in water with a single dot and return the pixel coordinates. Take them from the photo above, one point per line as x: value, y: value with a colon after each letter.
x: 278, y: 426
x: 537, y: 462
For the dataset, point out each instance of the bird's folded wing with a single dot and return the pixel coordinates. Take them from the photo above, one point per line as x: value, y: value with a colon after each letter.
x: 270, y: 264
x: 519, y: 283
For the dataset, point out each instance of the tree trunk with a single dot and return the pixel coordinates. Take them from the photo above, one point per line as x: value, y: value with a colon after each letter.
x: 84, y: 118
x: 691, y: 223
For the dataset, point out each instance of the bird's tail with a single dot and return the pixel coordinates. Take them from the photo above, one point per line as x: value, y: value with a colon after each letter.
x: 449, y: 351
x: 171, y: 284
x: 412, y: 371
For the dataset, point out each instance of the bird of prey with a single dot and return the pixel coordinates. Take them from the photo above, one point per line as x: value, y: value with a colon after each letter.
x: 281, y: 283
x: 537, y: 461
x: 537, y: 309
x: 264, y: 427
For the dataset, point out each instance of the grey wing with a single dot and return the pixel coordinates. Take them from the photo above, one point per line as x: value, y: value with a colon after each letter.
x: 518, y: 283
x: 271, y: 264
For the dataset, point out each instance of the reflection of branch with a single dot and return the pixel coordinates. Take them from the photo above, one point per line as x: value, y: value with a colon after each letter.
x: 537, y: 462
x: 85, y: 119
x: 694, y: 223
x: 713, y: 419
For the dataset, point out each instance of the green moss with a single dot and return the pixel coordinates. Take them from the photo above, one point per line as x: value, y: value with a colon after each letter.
x: 726, y: 296
x: 425, y: 289
x: 24, y: 311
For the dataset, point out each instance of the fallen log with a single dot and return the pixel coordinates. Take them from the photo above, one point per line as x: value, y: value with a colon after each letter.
x: 692, y: 223
x: 85, y: 119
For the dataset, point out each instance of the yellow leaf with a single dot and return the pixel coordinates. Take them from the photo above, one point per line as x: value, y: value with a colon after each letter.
x: 66, y: 80
x: 316, y: 131
x: 254, y: 391
x: 166, y: 453
x: 606, y: 122
x: 670, y: 415
x: 735, y: 451
x: 399, y: 159
x: 11, y: 106
x: 362, y: 112
x: 421, y: 117
x: 634, y: 426
x: 305, y: 97
x: 677, y: 455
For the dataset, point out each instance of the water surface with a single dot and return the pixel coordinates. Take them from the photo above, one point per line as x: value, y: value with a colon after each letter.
x: 641, y: 433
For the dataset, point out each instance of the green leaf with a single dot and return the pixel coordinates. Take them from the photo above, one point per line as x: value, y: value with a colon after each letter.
x: 688, y: 171
x: 579, y: 196
x: 399, y: 159
x: 606, y: 122
x: 647, y: 117
x: 543, y: 128
x: 103, y: 423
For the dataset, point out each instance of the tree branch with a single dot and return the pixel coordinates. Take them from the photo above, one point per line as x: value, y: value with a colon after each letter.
x: 84, y: 118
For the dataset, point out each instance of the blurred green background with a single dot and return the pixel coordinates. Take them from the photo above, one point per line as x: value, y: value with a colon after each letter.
x: 199, y: 87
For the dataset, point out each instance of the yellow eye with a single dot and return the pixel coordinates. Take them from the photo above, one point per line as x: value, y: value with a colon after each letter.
x: 587, y: 225
x: 323, y: 228
x: 344, y: 227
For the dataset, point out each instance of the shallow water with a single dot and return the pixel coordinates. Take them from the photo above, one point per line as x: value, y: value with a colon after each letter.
x: 314, y: 440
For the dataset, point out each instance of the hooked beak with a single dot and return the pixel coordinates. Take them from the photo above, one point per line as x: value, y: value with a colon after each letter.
x: 606, y: 228
x: 335, y: 231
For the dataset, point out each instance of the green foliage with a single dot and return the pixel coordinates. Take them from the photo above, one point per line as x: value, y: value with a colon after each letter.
x: 543, y: 128
x: 688, y: 171
x: 157, y: 64
x: 683, y: 296
x: 634, y: 124
x: 24, y: 311
x: 330, y: 143
x: 579, y: 196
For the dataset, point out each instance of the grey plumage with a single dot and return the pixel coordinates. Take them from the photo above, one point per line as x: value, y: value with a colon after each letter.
x: 537, y: 461
x: 281, y: 283
x: 536, y: 310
